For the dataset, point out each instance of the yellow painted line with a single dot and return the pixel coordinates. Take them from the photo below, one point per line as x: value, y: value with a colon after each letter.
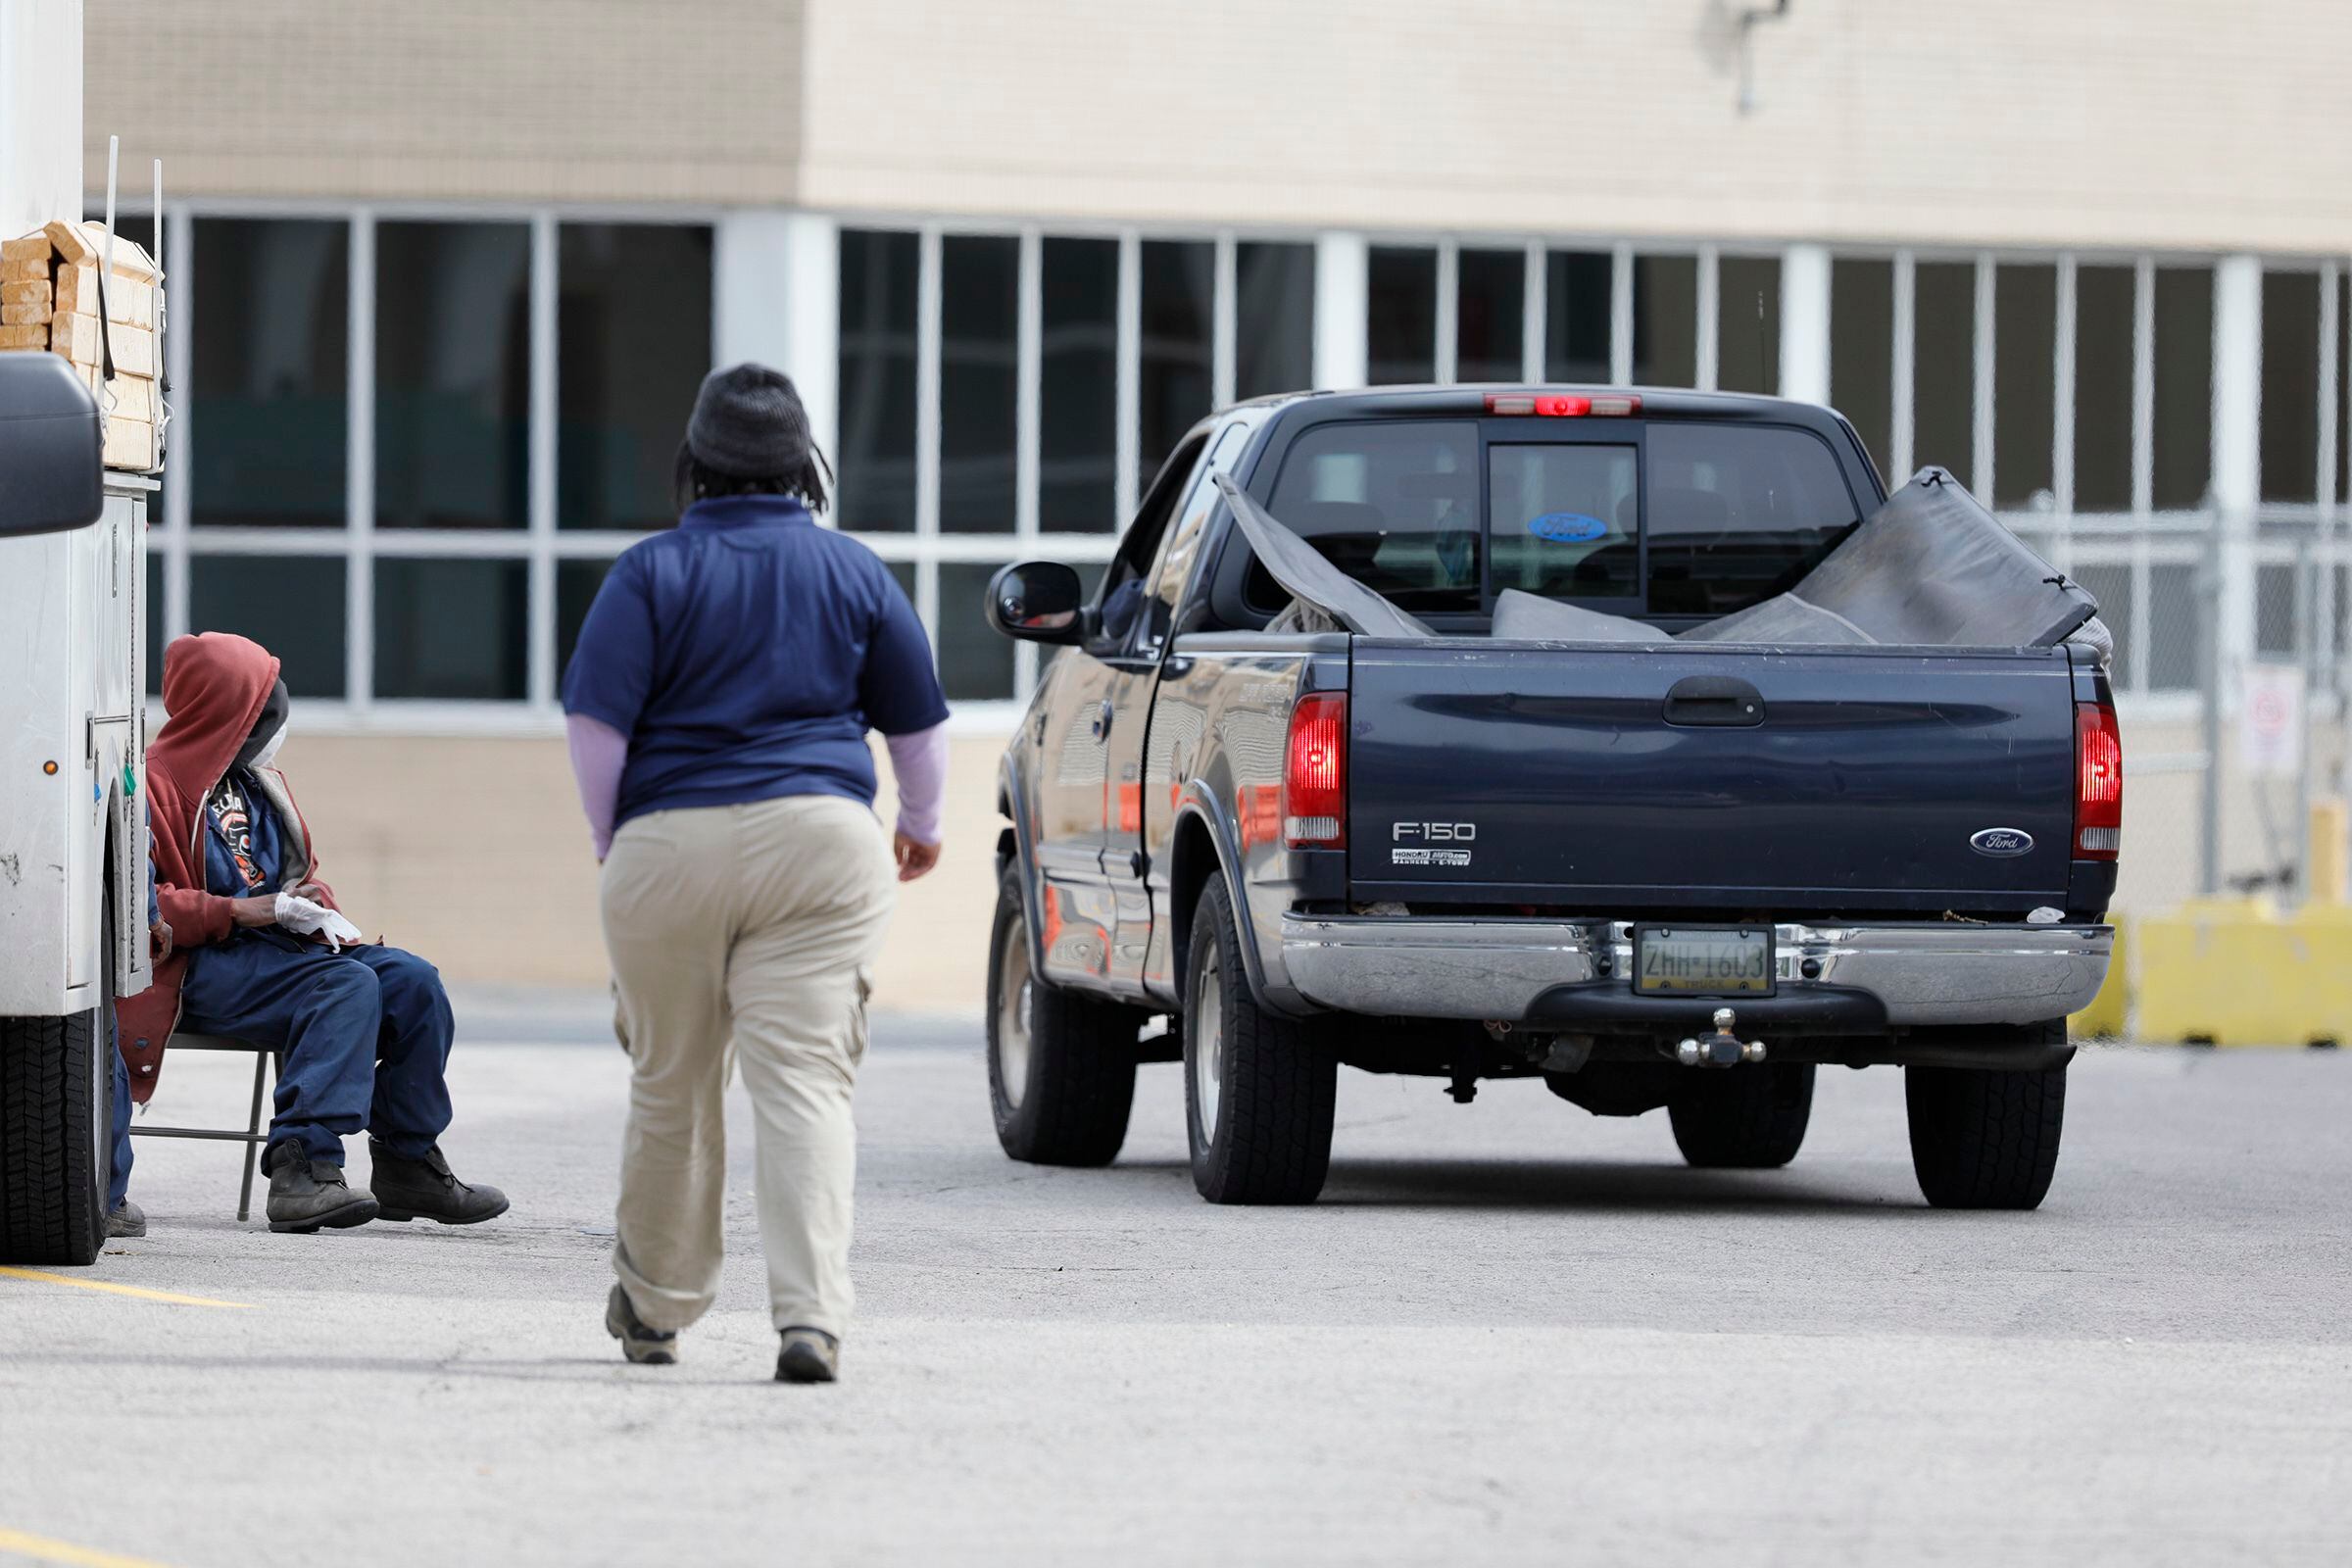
x: 113, y: 1290
x: 40, y: 1549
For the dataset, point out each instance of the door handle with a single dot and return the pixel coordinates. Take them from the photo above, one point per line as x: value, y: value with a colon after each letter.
x: 1722, y: 701
x: 1104, y: 714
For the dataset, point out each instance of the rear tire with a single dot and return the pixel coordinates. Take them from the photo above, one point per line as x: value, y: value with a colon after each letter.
x: 1745, y: 1118
x: 57, y: 1128
x: 1061, y: 1065
x: 1260, y: 1091
x: 1985, y: 1140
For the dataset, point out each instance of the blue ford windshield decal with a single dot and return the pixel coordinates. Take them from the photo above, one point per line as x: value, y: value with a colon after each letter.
x: 1567, y: 527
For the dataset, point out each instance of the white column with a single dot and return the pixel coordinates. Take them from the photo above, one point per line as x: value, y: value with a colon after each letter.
x: 1343, y: 306
x: 1445, y: 353
x: 2237, y: 442
x: 777, y: 300
x: 359, y: 472
x: 1534, y: 327
x: 543, y: 678
x: 1707, y: 359
x: 1805, y: 323
x: 1224, y: 316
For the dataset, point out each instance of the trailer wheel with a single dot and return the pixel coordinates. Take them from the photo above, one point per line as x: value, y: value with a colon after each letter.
x: 1985, y: 1140
x: 1746, y: 1118
x: 1260, y: 1091
x: 56, y: 1127
x: 1061, y: 1066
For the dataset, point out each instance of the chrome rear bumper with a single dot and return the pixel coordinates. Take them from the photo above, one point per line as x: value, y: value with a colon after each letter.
x: 1919, y: 974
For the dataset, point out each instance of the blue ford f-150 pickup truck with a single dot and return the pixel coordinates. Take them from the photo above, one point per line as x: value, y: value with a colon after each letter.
x: 1591, y: 784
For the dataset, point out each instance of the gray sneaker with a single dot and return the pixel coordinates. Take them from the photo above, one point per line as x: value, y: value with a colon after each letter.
x: 809, y: 1356
x: 128, y: 1220
x: 647, y: 1346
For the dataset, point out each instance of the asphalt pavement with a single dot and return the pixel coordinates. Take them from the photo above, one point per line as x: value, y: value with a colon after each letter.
x: 1509, y: 1333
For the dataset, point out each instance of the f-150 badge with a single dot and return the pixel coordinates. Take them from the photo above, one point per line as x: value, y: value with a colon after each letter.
x: 1431, y: 842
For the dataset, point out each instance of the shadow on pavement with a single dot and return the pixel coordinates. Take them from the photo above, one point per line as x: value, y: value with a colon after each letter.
x: 1600, y: 1186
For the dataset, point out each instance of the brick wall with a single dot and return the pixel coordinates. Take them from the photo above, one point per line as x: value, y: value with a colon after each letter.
x: 575, y: 100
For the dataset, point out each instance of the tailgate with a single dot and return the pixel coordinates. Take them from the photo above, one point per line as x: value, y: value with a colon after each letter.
x: 1834, y: 778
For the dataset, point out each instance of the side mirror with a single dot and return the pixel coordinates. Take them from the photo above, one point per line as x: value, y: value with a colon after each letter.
x: 51, y: 478
x: 1038, y: 602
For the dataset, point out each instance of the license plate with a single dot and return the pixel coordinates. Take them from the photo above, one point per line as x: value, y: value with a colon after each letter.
x: 1703, y: 960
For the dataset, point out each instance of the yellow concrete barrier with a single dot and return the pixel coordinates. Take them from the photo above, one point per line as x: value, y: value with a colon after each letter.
x: 2110, y: 1011
x: 2236, y: 972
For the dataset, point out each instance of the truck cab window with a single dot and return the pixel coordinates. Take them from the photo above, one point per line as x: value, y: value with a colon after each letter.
x: 1739, y: 514
x: 1564, y: 520
x: 1130, y: 570
x: 1394, y: 505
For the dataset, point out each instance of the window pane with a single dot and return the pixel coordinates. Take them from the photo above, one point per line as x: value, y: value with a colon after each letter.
x: 453, y: 375
x: 1943, y: 418
x: 1179, y: 281
x: 2184, y: 437
x: 876, y: 460
x: 2173, y: 627
x: 271, y: 317
x: 1078, y: 434
x: 979, y: 381
x: 291, y: 604
x: 451, y: 629
x: 632, y: 346
x: 1402, y: 330
x: 1273, y: 319
x: 2025, y: 317
x: 1862, y: 352
x: 975, y: 662
x: 1393, y: 505
x: 2275, y: 609
x: 2110, y: 586
x: 576, y: 583
x: 1737, y: 513
x: 1489, y: 316
x: 2103, y: 312
x: 1576, y: 316
x: 1747, y: 324
x: 1563, y: 520
x: 1665, y: 320
x: 2290, y: 386
x: 2343, y: 389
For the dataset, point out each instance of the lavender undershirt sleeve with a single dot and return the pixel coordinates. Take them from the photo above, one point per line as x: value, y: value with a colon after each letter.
x: 919, y: 762
x: 599, y: 752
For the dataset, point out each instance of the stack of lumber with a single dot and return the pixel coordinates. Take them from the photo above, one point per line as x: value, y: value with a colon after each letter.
x: 50, y: 299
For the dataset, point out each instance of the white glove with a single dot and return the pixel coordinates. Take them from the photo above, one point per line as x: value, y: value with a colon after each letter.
x: 304, y: 917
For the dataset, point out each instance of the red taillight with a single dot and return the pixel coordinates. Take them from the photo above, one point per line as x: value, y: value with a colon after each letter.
x: 1564, y: 404
x: 2098, y: 783
x: 1314, y: 775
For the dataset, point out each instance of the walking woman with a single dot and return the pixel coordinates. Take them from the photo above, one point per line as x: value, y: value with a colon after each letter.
x: 718, y: 705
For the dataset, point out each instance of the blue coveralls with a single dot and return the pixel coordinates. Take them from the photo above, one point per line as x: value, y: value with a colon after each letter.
x: 365, y: 1032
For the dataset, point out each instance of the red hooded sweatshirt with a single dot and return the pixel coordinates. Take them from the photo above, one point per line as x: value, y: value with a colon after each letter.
x: 215, y: 686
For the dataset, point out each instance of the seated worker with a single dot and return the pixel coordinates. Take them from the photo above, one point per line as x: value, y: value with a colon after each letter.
x: 263, y: 956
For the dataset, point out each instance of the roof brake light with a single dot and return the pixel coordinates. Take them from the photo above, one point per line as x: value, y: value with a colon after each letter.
x: 1564, y: 404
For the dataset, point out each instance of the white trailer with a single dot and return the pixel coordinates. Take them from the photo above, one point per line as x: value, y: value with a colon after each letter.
x: 73, y: 866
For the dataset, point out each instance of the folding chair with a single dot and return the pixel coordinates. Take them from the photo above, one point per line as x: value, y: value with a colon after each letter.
x: 254, y: 1133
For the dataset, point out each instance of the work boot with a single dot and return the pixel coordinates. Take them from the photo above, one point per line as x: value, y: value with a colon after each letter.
x: 128, y: 1220
x: 427, y: 1189
x: 644, y: 1346
x: 809, y: 1356
x: 305, y: 1193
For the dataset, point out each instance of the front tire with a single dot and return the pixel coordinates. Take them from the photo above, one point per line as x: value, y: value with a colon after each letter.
x: 1985, y: 1140
x: 1746, y: 1118
x: 1260, y: 1091
x: 57, y: 1128
x: 1061, y: 1065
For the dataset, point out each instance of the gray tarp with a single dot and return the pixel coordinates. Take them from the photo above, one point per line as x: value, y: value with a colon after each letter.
x: 1300, y: 567
x: 1928, y: 569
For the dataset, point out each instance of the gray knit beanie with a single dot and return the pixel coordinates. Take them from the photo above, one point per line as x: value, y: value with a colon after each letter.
x: 748, y: 423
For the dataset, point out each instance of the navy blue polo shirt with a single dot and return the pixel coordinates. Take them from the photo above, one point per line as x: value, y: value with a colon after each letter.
x: 744, y: 654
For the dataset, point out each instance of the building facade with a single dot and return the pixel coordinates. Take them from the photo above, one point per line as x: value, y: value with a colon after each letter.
x: 446, y: 277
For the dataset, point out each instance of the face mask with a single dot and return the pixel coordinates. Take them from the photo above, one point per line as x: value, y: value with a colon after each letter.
x: 268, y: 751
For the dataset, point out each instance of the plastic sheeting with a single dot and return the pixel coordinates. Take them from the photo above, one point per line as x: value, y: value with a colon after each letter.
x: 1302, y: 569
x: 1930, y: 569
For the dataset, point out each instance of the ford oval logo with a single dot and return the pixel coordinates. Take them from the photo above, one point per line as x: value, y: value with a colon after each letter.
x: 2003, y: 842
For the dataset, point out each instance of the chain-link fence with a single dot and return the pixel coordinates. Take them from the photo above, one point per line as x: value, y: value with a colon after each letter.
x: 2230, y: 676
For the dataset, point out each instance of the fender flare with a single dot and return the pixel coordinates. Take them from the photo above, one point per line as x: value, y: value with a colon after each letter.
x: 1201, y: 801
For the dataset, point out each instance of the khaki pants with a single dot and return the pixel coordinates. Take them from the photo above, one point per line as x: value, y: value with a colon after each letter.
x: 743, y: 931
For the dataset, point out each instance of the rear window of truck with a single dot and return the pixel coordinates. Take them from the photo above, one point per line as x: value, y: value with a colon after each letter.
x: 1681, y: 517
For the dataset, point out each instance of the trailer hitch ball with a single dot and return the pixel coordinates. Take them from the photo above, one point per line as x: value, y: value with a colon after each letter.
x: 1722, y: 1049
